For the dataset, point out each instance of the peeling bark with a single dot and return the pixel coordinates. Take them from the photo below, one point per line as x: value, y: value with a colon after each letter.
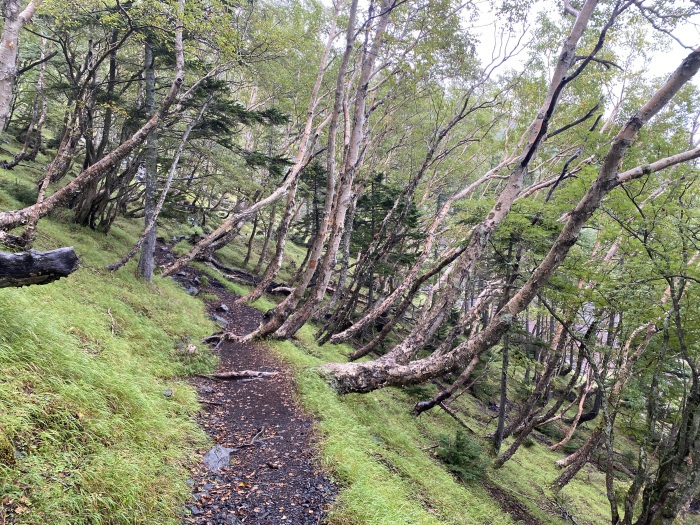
x: 15, y: 20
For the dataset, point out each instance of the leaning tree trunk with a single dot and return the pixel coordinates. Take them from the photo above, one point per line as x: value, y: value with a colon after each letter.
x: 276, y: 263
x: 367, y: 376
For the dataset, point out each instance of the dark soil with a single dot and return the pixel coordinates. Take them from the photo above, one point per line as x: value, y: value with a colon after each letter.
x: 518, y: 511
x: 274, y: 476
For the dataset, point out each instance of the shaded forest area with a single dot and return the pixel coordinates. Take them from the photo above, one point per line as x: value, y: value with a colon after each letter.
x: 529, y: 215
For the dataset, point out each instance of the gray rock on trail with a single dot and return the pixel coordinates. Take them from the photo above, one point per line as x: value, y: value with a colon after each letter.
x: 217, y: 458
x: 223, y: 308
x: 223, y: 323
x: 195, y: 511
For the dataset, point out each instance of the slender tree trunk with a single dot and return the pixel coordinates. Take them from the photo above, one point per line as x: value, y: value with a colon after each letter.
x: 148, y: 248
x: 576, y: 461
x: 268, y: 236
x: 276, y: 263
x: 574, y: 422
x: 498, y: 437
x: 343, y: 275
x: 251, y: 240
x: 15, y: 20
x: 32, y: 142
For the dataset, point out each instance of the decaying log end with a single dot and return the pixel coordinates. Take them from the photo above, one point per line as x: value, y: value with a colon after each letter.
x: 32, y: 267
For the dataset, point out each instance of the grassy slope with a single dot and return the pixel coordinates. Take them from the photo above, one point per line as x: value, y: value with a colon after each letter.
x: 84, y: 364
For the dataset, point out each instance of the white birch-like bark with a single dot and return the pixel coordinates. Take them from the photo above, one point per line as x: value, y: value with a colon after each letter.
x: 367, y: 376
x: 15, y: 20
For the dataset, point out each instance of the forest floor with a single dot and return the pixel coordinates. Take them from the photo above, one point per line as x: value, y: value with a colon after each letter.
x: 273, y: 476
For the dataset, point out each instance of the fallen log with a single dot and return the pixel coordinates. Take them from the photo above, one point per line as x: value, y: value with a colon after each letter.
x: 240, y: 374
x: 242, y: 277
x: 27, y: 268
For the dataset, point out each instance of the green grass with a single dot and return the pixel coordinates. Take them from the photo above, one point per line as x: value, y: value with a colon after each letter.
x: 84, y: 363
x: 375, y: 449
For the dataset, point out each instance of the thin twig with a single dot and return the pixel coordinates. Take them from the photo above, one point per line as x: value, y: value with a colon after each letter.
x: 109, y: 313
x: 210, y: 402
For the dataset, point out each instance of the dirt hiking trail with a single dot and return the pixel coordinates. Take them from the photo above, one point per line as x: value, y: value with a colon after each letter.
x: 274, y: 475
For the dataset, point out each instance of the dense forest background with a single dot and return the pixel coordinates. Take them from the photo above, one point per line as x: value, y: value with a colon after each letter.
x: 510, y: 205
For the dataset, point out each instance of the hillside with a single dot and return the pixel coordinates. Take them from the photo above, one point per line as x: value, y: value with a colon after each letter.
x: 87, y: 362
x: 349, y: 262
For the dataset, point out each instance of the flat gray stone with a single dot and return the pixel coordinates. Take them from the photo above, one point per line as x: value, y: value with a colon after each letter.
x: 217, y: 458
x: 223, y: 323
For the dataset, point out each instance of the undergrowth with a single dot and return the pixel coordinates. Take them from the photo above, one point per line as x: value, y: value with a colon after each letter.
x: 463, y: 456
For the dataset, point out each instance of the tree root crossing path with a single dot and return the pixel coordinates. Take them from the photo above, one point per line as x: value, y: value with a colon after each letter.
x: 256, y: 424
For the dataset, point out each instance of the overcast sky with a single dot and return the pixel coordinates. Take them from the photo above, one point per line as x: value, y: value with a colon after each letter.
x: 663, y: 62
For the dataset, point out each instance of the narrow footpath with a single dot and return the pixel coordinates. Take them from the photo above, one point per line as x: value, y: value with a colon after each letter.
x: 274, y: 475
